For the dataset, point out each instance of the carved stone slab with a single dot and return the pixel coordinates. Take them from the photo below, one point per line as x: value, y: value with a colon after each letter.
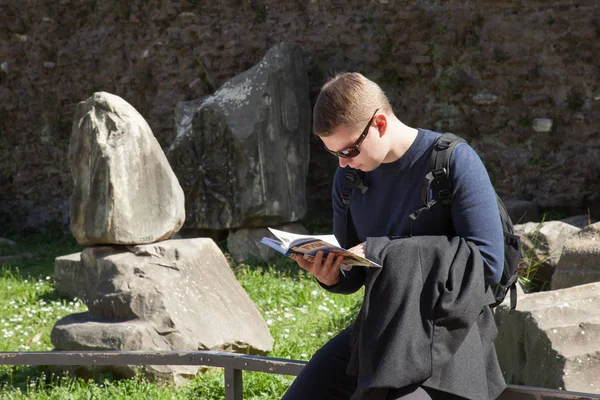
x: 244, y: 161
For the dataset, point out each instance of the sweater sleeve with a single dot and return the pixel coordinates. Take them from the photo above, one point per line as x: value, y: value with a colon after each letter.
x: 475, y: 209
x: 350, y: 281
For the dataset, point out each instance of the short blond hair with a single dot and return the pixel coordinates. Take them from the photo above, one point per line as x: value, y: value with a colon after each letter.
x: 349, y: 98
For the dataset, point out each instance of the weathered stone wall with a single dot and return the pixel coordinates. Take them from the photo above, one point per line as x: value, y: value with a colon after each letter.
x: 481, y: 68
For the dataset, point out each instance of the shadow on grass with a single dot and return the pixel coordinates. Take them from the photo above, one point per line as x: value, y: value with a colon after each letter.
x: 19, y: 377
x: 40, y: 251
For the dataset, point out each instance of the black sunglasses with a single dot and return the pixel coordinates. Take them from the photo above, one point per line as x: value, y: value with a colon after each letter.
x: 353, y: 151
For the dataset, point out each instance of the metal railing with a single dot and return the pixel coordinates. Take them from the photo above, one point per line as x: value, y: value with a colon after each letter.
x: 232, y: 363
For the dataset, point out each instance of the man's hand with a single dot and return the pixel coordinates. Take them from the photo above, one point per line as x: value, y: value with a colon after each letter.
x: 326, y: 270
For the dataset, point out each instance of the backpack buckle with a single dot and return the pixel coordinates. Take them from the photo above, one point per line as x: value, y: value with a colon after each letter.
x: 439, y: 172
x: 445, y: 195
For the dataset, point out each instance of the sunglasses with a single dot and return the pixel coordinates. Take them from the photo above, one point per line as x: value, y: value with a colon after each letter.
x: 353, y: 151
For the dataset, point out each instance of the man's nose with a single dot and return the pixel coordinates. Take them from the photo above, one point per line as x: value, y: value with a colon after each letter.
x: 344, y: 162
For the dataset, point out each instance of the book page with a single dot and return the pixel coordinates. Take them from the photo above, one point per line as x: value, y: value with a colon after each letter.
x: 309, y: 249
x: 287, y: 238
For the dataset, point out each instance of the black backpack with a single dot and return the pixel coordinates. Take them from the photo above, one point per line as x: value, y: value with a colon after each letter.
x: 439, y: 179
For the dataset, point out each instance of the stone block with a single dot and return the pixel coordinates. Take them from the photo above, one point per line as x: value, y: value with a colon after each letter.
x: 245, y: 243
x: 552, y: 339
x: 172, y: 295
x: 69, y: 277
x: 580, y: 260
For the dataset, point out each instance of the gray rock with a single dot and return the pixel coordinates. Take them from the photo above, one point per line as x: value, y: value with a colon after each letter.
x: 547, y: 239
x: 245, y: 162
x: 580, y: 221
x: 484, y: 99
x: 7, y: 242
x: 542, y: 125
x: 580, y: 261
x: 522, y: 211
x: 69, y: 276
x: 543, y: 244
x: 124, y: 189
x: 82, y: 332
x: 172, y: 295
x: 184, y: 113
x: 552, y: 339
x: 245, y: 243
x: 16, y: 258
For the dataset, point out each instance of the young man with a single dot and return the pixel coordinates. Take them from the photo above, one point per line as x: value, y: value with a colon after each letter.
x: 356, y: 123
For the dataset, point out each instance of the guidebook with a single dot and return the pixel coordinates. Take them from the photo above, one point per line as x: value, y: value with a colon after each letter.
x: 306, y: 245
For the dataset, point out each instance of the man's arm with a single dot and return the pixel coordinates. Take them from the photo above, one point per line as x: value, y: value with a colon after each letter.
x: 475, y: 210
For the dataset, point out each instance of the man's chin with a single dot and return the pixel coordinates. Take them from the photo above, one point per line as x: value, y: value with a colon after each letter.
x: 365, y: 168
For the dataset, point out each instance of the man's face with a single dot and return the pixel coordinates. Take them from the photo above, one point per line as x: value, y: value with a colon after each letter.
x: 347, y: 141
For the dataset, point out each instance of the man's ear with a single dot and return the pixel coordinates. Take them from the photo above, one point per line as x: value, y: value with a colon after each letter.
x: 381, y: 123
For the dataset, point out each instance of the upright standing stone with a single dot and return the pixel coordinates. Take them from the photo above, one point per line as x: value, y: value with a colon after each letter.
x: 124, y: 190
x: 245, y: 161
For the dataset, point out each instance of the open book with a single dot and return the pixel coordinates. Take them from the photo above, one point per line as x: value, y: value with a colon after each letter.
x: 291, y: 243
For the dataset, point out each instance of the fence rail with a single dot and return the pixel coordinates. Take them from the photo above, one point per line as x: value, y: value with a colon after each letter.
x: 232, y: 363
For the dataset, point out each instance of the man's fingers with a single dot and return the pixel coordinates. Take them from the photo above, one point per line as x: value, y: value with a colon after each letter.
x: 318, y: 258
x: 338, y: 262
x: 325, y: 269
x: 304, y: 264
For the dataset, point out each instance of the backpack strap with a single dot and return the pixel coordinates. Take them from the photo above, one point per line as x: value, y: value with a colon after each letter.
x: 440, y: 165
x: 427, y: 203
x: 438, y: 177
x: 352, y: 179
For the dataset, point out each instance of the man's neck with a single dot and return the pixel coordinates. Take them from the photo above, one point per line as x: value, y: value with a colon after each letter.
x: 402, y: 137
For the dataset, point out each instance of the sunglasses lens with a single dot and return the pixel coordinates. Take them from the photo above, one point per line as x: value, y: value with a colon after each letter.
x: 346, y: 153
x: 350, y: 153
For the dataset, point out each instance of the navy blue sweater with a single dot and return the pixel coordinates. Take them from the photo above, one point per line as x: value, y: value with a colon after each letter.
x: 395, y: 192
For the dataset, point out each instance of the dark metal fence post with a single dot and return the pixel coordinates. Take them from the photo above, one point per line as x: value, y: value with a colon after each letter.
x: 233, y: 384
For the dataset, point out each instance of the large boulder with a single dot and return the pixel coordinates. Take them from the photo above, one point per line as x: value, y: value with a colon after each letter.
x: 124, y: 190
x: 580, y: 259
x: 244, y: 244
x: 172, y: 295
x: 543, y: 244
x: 244, y: 162
x: 552, y: 339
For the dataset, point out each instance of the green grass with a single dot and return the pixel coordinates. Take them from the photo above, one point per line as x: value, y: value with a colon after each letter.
x: 300, y: 314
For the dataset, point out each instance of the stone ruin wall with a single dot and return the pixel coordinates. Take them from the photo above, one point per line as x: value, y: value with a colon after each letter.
x: 483, y: 69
